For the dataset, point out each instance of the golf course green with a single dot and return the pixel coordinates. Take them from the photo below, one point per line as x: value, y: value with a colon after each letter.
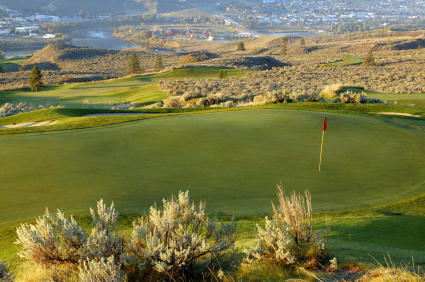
x: 231, y: 160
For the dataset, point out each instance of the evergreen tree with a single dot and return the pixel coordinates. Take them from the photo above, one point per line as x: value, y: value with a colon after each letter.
x: 133, y: 65
x: 222, y: 74
x: 159, y: 65
x: 241, y: 46
x: 283, y: 46
x: 34, y: 80
x: 302, y: 42
x: 369, y: 60
x: 1, y: 69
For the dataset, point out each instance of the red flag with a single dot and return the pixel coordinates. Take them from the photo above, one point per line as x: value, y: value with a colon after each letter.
x: 324, y: 125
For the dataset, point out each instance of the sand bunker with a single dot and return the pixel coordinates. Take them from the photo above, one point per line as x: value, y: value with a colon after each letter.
x: 28, y: 124
x: 395, y: 114
x: 117, y: 114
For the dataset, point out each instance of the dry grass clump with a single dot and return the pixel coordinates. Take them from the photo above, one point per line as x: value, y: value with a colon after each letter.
x: 393, y: 273
x: 330, y: 91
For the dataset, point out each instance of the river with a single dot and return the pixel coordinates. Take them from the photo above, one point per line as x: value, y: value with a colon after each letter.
x: 93, y: 37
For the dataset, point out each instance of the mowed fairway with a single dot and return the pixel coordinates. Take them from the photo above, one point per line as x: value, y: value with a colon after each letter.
x: 232, y: 160
x: 143, y: 89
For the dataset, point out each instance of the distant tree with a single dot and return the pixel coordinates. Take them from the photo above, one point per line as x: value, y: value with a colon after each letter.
x: 241, y: 46
x: 12, y: 30
x: 419, y: 47
x: 222, y: 74
x: 283, y: 46
x: 34, y: 80
x: 105, y: 77
x: 22, y: 68
x: 133, y: 64
x: 369, y: 60
x: 81, y: 13
x: 2, y: 55
x: 159, y: 65
x: 146, y: 34
x: 302, y: 42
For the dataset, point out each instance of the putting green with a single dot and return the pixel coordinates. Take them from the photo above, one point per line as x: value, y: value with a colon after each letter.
x: 232, y: 160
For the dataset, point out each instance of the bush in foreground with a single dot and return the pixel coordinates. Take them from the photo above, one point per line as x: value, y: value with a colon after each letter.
x: 176, y: 241
x: 288, y: 238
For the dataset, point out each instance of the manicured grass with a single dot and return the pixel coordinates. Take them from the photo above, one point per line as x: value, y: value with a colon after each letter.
x: 345, y: 61
x: 8, y: 63
x: 239, y: 156
x: 143, y: 89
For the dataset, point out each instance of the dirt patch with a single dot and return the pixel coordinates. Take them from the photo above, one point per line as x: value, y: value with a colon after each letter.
x: 118, y: 114
x: 395, y: 114
x: 28, y: 124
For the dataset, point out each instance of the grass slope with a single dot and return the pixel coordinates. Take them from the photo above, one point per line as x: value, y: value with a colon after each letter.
x: 143, y: 89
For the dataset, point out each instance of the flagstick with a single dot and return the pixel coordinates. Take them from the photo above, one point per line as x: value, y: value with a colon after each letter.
x: 321, y: 149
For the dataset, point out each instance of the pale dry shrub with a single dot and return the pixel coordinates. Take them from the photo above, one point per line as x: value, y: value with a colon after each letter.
x: 355, y: 98
x: 54, y: 239
x: 171, y: 102
x: 105, y: 270
x: 57, y: 240
x: 289, y: 238
x: 104, y: 241
x: 330, y: 91
x: 5, y: 274
x: 179, y: 239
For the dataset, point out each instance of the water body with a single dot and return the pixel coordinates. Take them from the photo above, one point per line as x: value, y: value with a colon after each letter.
x: 298, y: 34
x: 93, y: 37
x: 99, y: 38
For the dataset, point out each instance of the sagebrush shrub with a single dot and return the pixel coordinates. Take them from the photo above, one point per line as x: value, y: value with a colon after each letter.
x: 289, y: 238
x: 105, y: 270
x: 55, y: 239
x: 178, y: 238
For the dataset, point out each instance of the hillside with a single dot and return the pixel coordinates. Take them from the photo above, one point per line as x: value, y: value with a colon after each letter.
x: 189, y: 13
